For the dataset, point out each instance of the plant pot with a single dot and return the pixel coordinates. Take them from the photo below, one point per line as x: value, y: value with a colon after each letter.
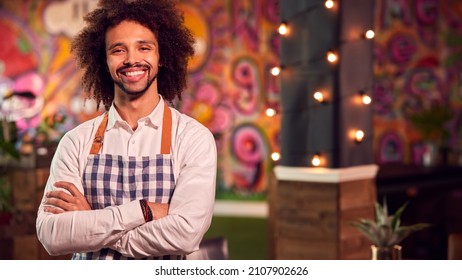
x: 431, y: 155
x: 386, y: 253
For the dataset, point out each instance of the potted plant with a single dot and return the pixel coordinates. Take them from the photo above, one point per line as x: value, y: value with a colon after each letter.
x: 386, y: 232
x: 430, y: 123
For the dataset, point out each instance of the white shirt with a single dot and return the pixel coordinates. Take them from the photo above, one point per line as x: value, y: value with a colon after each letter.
x: 122, y: 227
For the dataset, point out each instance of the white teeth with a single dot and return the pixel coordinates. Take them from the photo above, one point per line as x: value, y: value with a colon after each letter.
x: 134, y: 73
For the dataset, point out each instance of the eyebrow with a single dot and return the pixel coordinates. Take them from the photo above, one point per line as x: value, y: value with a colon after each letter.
x: 140, y: 42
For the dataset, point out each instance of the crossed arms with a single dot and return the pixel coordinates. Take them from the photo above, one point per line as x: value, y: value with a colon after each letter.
x: 66, y: 223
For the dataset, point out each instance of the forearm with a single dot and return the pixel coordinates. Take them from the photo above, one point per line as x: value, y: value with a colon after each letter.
x: 191, y: 205
x: 181, y: 231
x: 171, y: 235
x: 86, y: 231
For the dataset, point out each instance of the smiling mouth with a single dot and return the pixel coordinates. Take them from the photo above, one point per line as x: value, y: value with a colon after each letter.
x: 134, y: 70
x: 133, y: 73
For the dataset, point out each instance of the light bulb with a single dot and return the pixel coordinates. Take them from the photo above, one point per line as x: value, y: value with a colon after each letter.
x: 359, y: 136
x: 275, y: 71
x: 366, y: 99
x: 283, y: 28
x: 369, y: 34
x: 329, y: 4
x: 316, y: 160
x: 270, y: 112
x: 275, y: 156
x: 319, y: 96
x: 331, y: 56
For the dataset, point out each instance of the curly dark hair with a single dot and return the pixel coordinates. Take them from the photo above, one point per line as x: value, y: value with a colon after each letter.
x: 160, y: 16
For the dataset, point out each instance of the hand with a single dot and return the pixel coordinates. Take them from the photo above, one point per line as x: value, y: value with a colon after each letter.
x: 58, y: 201
x: 159, y: 210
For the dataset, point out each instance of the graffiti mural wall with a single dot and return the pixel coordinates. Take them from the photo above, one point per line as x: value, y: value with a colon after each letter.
x: 229, y: 88
x: 418, y: 72
x: 418, y: 66
x: 39, y: 83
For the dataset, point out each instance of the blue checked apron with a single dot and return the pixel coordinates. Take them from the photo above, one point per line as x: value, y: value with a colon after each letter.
x: 114, y: 180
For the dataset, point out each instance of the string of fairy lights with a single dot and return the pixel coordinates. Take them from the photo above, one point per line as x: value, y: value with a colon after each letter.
x: 322, y: 96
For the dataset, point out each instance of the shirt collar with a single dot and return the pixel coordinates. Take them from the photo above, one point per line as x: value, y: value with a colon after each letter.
x: 154, y: 119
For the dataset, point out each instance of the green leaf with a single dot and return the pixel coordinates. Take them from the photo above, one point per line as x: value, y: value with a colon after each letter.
x: 9, y: 149
x: 386, y: 229
x: 368, y: 229
x: 395, y: 222
x: 379, y: 216
x: 416, y: 227
x: 384, y: 234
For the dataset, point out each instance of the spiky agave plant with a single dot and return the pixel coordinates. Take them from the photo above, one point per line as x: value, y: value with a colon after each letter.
x: 386, y: 230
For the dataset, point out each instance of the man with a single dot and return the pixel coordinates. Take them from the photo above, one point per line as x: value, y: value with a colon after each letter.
x: 139, y: 180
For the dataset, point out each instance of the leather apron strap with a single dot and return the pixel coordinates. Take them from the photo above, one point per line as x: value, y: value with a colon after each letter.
x: 166, y: 133
x: 98, y: 141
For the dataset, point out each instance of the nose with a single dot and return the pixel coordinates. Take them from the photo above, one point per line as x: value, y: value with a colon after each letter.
x: 131, y: 58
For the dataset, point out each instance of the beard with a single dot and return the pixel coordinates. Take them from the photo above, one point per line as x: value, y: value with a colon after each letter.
x: 140, y: 92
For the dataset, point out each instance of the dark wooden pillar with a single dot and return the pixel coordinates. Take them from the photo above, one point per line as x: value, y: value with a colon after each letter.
x: 309, y: 127
x: 311, y: 206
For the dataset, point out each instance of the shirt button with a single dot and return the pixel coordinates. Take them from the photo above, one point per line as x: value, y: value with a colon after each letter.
x: 133, y: 141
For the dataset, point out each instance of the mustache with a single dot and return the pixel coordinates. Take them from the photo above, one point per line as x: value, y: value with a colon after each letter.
x: 134, y: 65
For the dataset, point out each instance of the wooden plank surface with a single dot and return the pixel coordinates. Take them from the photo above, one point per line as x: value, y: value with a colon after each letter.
x: 311, y: 220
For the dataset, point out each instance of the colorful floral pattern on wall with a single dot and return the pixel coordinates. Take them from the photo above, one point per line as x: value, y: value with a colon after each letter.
x: 38, y: 79
x: 229, y: 86
x: 418, y: 67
